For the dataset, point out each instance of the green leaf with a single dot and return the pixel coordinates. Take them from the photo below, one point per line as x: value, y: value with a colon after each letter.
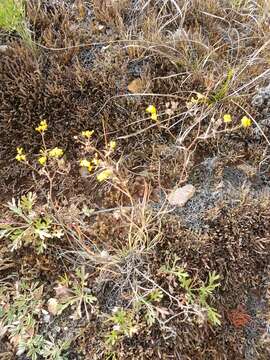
x: 213, y: 316
x: 16, y: 209
x: 28, y: 201
x: 150, y: 316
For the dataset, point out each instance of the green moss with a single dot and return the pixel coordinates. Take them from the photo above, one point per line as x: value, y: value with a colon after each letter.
x: 12, y: 18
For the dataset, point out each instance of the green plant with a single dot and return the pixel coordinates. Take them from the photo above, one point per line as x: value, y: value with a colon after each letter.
x: 77, y: 295
x: 239, y: 4
x: 54, y: 351
x: 33, y: 346
x: 197, y: 293
x: 51, y: 162
x: 123, y: 323
x: 147, y: 304
x: 19, y: 313
x: 223, y: 90
x: 205, y: 292
x: 19, y: 317
x: 12, y: 18
x: 28, y: 226
x: 217, y: 96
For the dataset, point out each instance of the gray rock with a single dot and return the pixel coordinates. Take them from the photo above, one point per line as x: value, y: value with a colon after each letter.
x: 181, y: 195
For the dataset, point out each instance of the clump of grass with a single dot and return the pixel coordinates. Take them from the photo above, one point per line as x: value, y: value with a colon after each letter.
x: 222, y: 92
x: 13, y: 18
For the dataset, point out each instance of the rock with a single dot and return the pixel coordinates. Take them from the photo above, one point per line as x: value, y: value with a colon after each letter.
x: 53, y: 306
x: 180, y: 196
x: 4, y: 48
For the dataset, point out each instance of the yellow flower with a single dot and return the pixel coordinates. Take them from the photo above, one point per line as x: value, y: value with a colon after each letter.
x: 20, y: 154
x: 87, y: 133
x: 84, y: 163
x: 104, y: 175
x: 20, y: 150
x: 42, y: 160
x: 112, y: 145
x: 43, y: 126
x: 21, y: 157
x: 151, y: 109
x: 87, y: 164
x: 227, y: 118
x: 246, y: 122
x: 56, y: 152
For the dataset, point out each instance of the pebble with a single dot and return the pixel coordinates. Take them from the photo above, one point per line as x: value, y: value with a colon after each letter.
x: 180, y: 196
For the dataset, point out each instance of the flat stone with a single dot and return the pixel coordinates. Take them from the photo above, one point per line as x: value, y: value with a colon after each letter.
x: 180, y: 196
x: 4, y: 48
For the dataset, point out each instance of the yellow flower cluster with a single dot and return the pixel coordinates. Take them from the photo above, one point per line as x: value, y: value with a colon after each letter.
x: 87, y: 164
x: 42, y: 160
x: 87, y: 133
x: 56, y: 153
x: 245, y: 121
x: 104, y: 175
x: 20, y: 154
x: 42, y: 127
x: 151, y: 109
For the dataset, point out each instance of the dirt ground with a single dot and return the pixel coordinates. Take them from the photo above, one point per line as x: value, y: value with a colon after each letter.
x: 98, y: 65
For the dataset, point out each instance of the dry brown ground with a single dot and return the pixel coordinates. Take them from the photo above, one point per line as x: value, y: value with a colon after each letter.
x: 78, y: 77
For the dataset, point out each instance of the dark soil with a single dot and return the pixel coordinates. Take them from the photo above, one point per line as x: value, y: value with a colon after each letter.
x: 76, y: 78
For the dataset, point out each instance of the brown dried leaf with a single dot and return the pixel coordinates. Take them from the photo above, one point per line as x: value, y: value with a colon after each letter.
x: 136, y: 86
x: 37, y: 294
x: 62, y: 291
x: 15, y: 340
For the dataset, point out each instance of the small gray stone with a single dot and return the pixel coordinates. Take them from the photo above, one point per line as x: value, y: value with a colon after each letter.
x: 3, y: 48
x: 180, y: 196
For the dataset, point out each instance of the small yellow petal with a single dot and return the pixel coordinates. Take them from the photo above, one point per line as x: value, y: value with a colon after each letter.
x: 95, y: 161
x: 42, y: 160
x: 227, y: 118
x: 246, y: 122
x: 43, y: 126
x: 20, y: 154
x: 151, y: 109
x: 56, y: 152
x: 154, y: 116
x: 19, y: 150
x: 84, y: 163
x: 200, y: 96
x: 87, y: 133
x: 21, y: 157
x: 104, y: 175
